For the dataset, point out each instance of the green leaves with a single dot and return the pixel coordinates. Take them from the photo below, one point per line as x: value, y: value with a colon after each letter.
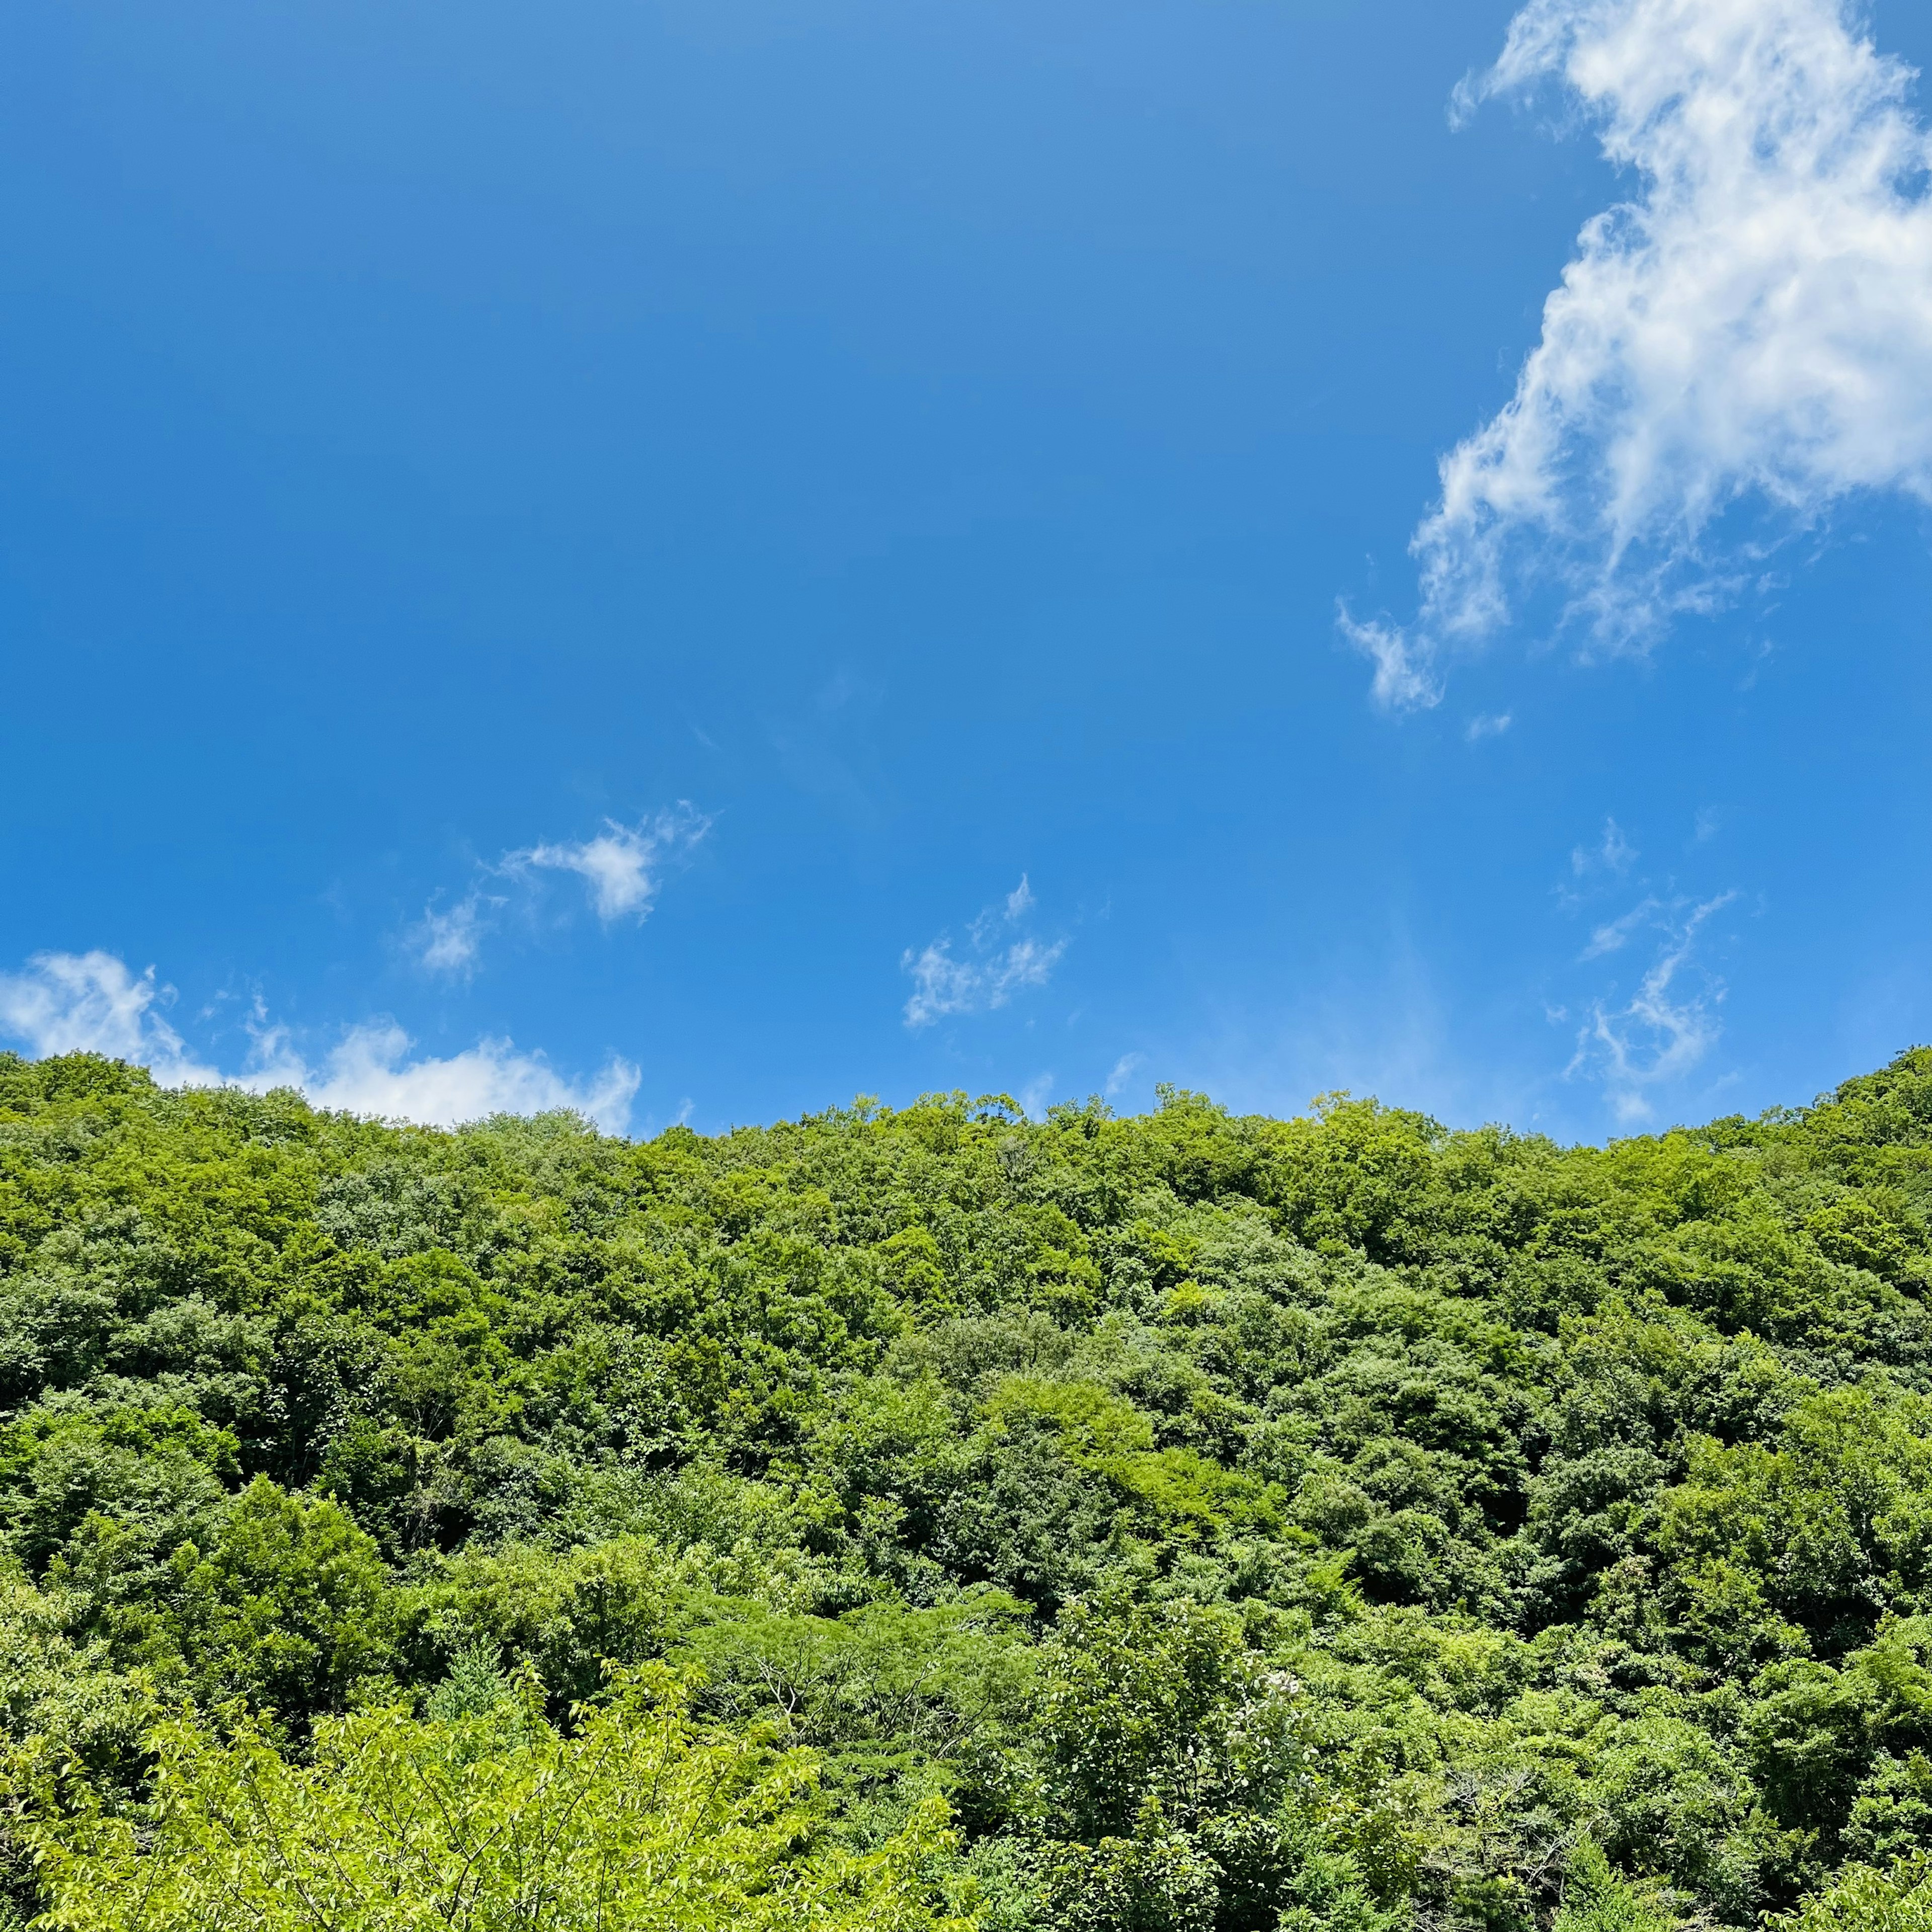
x: 638, y: 1819
x: 1596, y: 1899
x: 1828, y: 1530
x: 1898, y: 1899
x: 289, y: 1608
x: 1336, y: 1523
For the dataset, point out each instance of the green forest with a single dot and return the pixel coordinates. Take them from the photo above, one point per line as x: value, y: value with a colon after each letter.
x: 933, y: 1518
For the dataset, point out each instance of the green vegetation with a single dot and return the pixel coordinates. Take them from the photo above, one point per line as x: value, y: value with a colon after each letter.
x: 930, y: 1519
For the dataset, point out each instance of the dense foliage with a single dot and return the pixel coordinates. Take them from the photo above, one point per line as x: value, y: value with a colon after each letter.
x: 897, y: 1518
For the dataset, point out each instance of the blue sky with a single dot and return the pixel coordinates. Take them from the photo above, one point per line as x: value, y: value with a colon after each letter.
x: 699, y: 559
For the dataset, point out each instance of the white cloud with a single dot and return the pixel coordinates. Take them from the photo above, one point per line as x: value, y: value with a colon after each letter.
x: 623, y: 864
x: 943, y: 985
x: 368, y: 1073
x: 623, y: 867
x: 1614, y: 934
x: 449, y: 942
x: 91, y: 1003
x: 999, y: 967
x: 1027, y: 963
x: 1613, y: 853
x: 1406, y: 678
x: 985, y: 929
x: 1752, y: 331
x: 1664, y: 1031
x: 1482, y: 726
x: 1034, y: 1095
x: 1125, y: 1068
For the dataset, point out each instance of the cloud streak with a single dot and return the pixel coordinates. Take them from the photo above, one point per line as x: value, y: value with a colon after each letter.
x: 1666, y: 1027
x: 1732, y: 353
x: 449, y: 942
x: 623, y: 867
x: 92, y: 1003
x: 1001, y: 963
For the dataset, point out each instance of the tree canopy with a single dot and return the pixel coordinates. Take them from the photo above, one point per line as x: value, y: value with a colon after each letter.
x: 930, y: 1516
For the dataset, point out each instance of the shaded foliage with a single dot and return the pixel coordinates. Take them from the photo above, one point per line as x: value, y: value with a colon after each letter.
x: 1226, y: 1522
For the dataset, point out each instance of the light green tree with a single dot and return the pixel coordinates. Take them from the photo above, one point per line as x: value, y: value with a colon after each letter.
x: 1866, y: 1899
x: 495, y: 1822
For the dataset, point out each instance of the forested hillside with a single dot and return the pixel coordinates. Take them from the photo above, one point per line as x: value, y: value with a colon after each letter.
x: 897, y: 1518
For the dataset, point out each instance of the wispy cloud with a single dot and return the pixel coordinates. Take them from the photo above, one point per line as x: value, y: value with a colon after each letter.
x: 623, y: 865
x: 449, y: 941
x: 1125, y: 1068
x: 1612, y: 853
x: 1000, y: 963
x: 944, y: 984
x: 1613, y: 935
x: 1753, y: 330
x: 1486, y: 725
x: 1407, y: 677
x: 623, y: 868
x: 1034, y: 1095
x: 91, y: 1002
x: 1667, y: 1026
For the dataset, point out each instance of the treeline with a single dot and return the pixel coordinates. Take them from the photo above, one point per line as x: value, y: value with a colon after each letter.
x: 933, y: 1518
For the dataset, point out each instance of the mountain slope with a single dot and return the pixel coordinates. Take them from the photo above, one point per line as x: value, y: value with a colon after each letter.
x: 1227, y: 1518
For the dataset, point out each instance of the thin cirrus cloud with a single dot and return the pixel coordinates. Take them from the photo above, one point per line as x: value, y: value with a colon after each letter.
x: 623, y: 868
x: 1638, y: 1046
x: 1752, y: 332
x: 1609, y: 857
x: 92, y: 1003
x: 449, y: 941
x: 1669, y: 1025
x: 1000, y: 960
